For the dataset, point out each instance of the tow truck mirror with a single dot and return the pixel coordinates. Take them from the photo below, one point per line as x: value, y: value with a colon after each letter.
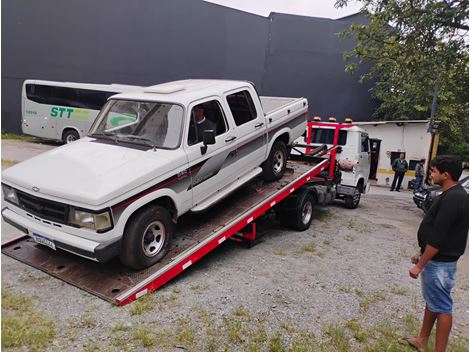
x: 208, y: 137
x: 339, y: 150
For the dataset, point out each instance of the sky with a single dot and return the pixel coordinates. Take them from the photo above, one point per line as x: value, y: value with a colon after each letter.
x: 313, y: 8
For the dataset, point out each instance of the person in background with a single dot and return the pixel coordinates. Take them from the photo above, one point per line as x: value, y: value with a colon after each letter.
x: 400, y: 166
x: 442, y: 238
x: 419, y: 175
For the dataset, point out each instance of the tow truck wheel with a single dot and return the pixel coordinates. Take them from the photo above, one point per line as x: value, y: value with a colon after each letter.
x: 146, y: 238
x: 352, y: 202
x: 275, y: 166
x: 301, y: 216
x: 304, y: 213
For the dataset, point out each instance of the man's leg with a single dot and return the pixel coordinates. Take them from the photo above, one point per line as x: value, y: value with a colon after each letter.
x: 428, y: 322
x: 400, y: 180
x: 395, y: 177
x: 417, y: 185
x: 443, y: 327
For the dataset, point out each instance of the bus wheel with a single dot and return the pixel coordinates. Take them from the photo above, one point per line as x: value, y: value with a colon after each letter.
x: 70, y: 136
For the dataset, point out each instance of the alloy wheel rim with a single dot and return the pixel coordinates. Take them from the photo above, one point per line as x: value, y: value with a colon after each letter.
x: 307, y: 211
x: 278, y: 161
x: 153, y: 238
x: 70, y: 138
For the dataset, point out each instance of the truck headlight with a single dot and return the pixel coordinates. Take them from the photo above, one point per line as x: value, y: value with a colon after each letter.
x: 10, y: 195
x: 95, y: 221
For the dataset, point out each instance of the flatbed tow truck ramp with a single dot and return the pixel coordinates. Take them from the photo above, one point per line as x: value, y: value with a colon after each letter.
x: 197, y: 235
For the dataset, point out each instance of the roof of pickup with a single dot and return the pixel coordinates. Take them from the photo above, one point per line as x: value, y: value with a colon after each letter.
x: 183, y: 92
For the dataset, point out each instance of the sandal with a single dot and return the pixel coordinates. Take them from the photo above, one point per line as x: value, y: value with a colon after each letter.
x: 414, y: 341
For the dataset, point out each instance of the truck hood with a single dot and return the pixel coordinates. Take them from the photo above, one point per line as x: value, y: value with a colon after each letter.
x: 89, y: 173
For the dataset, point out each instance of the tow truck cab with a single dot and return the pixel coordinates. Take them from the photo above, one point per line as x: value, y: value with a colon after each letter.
x: 353, y: 155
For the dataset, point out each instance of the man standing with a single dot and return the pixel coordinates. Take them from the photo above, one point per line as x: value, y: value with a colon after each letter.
x: 442, y: 237
x: 419, y: 175
x: 399, y: 166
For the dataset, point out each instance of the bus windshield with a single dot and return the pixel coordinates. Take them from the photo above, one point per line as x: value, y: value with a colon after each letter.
x: 155, y: 124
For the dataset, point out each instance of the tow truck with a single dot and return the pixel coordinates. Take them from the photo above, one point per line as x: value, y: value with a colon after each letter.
x: 312, y: 177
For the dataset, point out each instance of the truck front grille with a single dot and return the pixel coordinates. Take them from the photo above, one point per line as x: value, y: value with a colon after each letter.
x: 44, y: 208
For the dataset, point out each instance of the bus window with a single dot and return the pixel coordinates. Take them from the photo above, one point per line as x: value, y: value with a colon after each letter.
x: 65, y: 96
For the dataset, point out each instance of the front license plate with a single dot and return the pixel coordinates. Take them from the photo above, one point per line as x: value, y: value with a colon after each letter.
x: 43, y: 240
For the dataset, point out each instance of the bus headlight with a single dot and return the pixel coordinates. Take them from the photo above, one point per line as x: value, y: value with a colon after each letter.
x: 9, y: 194
x: 95, y: 221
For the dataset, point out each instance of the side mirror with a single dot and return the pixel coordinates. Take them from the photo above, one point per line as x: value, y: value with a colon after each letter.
x: 208, y: 137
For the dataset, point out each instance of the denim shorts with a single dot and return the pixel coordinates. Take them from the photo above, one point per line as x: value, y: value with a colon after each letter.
x: 437, y: 281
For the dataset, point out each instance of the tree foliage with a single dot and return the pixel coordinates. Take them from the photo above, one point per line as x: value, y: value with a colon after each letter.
x: 416, y: 48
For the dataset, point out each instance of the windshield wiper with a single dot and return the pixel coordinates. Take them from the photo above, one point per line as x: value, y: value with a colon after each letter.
x: 147, y: 141
x: 103, y: 134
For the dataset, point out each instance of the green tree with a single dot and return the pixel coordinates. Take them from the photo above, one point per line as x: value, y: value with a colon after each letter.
x: 416, y: 48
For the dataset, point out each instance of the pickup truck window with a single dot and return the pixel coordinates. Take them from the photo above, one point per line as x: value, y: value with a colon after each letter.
x: 242, y: 107
x: 326, y: 135
x: 206, y: 116
x: 155, y: 124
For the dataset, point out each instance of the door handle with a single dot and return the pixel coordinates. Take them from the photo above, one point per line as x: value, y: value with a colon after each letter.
x: 230, y: 139
x: 259, y: 125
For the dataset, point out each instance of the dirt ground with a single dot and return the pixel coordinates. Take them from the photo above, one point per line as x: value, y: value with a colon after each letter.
x: 341, y: 285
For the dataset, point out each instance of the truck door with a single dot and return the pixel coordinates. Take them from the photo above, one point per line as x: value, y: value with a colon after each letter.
x: 249, y: 130
x: 374, y: 157
x: 364, y: 157
x: 214, y: 169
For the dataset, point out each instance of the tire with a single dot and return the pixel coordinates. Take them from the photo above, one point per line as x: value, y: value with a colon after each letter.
x: 301, y: 216
x: 275, y: 166
x: 146, y: 238
x: 70, y: 136
x: 352, y: 202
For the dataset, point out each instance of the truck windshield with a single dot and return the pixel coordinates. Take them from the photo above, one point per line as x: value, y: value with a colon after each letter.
x: 155, y: 124
x: 326, y: 136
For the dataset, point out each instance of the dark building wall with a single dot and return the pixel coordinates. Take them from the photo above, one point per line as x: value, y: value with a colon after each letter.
x: 305, y: 57
x: 147, y: 42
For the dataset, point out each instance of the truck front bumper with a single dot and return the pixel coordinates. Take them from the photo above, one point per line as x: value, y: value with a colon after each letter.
x: 97, y: 251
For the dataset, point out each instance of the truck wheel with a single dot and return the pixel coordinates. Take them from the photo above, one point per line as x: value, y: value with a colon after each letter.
x: 352, y: 202
x: 301, y: 216
x: 70, y: 136
x: 275, y: 166
x: 146, y: 238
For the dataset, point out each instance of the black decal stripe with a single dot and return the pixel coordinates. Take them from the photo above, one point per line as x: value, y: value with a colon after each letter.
x: 132, y: 199
x: 162, y: 184
x: 275, y: 129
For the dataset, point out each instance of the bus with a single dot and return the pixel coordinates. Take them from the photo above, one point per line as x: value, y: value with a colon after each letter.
x: 63, y: 111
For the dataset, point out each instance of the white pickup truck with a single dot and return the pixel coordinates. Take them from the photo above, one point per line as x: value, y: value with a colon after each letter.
x: 151, y: 156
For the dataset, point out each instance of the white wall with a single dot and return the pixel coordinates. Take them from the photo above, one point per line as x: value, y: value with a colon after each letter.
x: 410, y: 138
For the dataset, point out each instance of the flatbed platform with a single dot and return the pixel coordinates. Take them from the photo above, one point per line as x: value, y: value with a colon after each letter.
x: 197, y: 235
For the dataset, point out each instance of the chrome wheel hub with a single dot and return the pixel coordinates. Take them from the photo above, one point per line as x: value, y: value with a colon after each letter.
x: 278, y: 161
x: 153, y: 238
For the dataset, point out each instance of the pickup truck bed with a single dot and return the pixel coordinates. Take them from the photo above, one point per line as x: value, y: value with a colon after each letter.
x: 273, y: 104
x: 197, y: 235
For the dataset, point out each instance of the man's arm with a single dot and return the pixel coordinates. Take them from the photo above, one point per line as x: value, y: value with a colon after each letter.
x: 429, y: 253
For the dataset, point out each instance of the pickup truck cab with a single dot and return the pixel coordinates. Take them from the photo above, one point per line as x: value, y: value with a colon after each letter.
x: 151, y: 155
